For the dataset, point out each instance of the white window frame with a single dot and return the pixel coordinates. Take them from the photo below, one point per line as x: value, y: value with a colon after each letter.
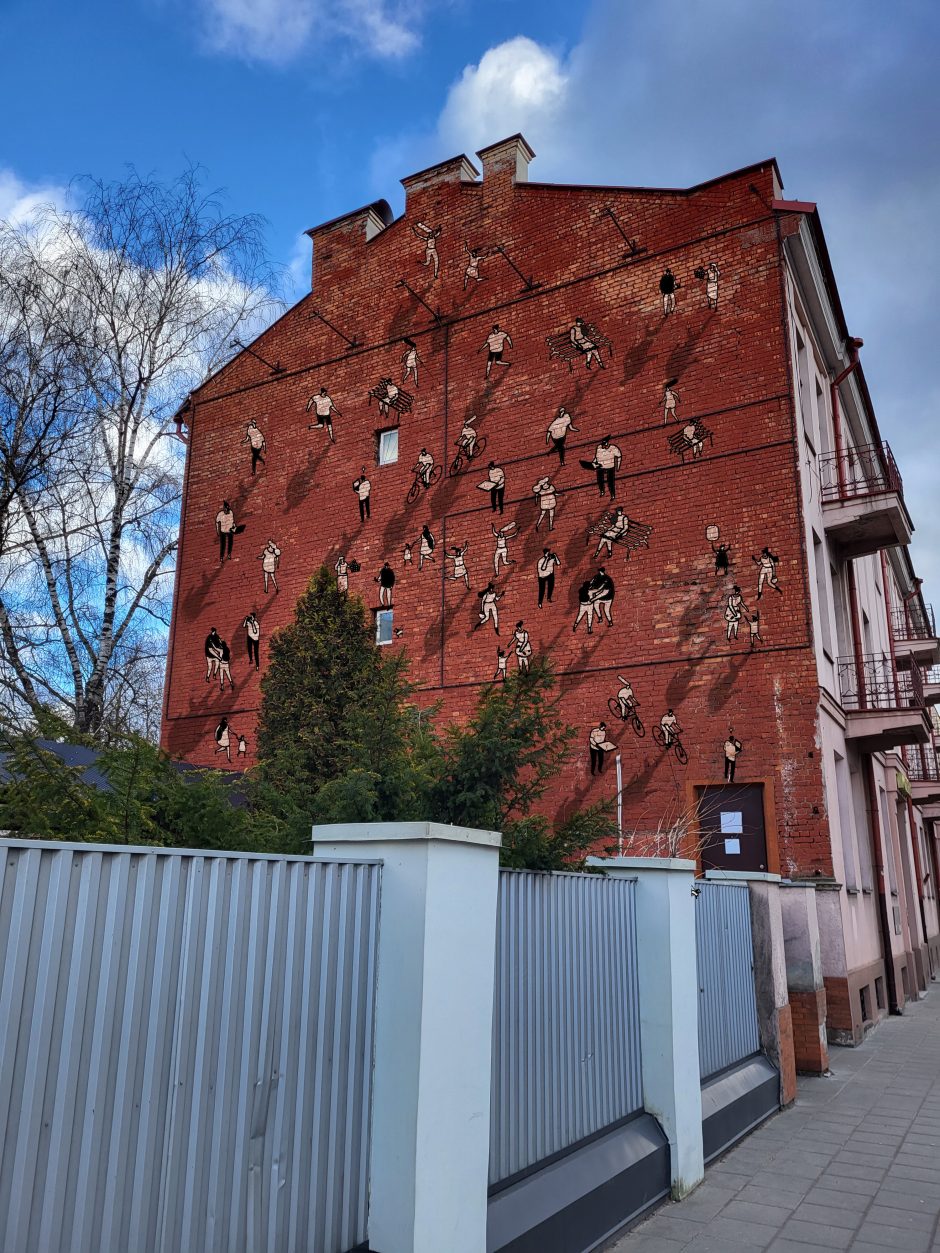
x: 384, y: 617
x: 384, y: 460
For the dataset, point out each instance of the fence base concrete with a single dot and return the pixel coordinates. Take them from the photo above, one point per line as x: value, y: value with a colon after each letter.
x: 576, y: 1202
x: 733, y: 1103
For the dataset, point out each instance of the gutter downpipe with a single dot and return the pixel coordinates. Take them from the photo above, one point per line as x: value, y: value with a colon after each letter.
x: 853, y: 346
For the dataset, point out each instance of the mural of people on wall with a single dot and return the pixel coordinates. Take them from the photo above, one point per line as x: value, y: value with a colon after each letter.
x: 767, y: 571
x: 614, y: 530
x: 545, y: 570
x: 426, y: 546
x: 457, y: 555
x: 734, y: 609
x: 406, y: 556
x: 242, y: 747
x: 625, y: 705
x: 495, y: 484
x: 475, y: 257
x: 668, y: 286
x: 580, y: 341
x: 599, y: 746
x: 523, y: 646
x: 501, y: 552
x: 502, y: 660
x: 225, y: 666
x: 489, y: 600
x: 363, y: 489
x: 582, y: 337
x: 558, y: 430
x: 722, y: 551
x: 429, y: 235
x: 322, y: 404
x: 753, y: 630
x: 424, y: 466
x: 410, y: 360
x: 544, y: 491
x: 606, y: 463
x: 690, y: 439
x: 270, y: 558
x: 390, y: 396
x: 671, y: 401
x: 226, y: 529
x: 595, y: 599
x: 255, y: 440
x: 732, y: 747
x: 342, y: 574
x: 213, y: 651
x: 223, y: 739
x: 709, y: 275
x: 253, y: 639
x: 494, y: 344
x: 667, y: 734
x: 468, y: 437
x: 386, y: 581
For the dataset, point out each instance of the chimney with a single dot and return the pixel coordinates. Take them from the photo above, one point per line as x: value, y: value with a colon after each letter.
x: 454, y: 171
x: 337, y: 243
x: 506, y: 161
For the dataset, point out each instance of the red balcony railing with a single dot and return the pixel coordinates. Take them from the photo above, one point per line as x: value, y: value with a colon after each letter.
x: 922, y: 765
x: 877, y: 683
x: 858, y: 472
x: 913, y: 621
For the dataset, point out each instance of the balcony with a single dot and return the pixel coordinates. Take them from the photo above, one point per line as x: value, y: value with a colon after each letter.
x: 884, y: 705
x: 915, y: 635
x: 923, y: 774
x: 863, y: 500
x: 932, y: 685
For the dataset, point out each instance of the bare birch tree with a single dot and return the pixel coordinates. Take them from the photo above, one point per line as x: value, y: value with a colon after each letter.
x: 149, y: 284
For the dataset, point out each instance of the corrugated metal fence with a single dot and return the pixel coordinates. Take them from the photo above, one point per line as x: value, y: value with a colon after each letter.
x: 566, y: 1028
x: 727, y: 1003
x: 185, y: 1051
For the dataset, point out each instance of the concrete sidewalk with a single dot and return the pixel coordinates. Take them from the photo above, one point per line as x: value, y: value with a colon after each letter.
x: 853, y: 1164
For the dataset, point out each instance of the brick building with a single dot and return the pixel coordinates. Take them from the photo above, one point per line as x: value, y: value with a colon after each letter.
x: 756, y: 583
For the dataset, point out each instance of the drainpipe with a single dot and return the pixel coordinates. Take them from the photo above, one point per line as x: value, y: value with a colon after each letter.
x: 918, y: 867
x: 853, y: 346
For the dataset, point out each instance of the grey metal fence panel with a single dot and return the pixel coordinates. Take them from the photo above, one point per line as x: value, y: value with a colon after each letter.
x: 727, y: 1002
x: 185, y: 1050
x: 566, y: 1022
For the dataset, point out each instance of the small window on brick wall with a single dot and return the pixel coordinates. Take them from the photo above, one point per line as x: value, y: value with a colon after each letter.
x: 383, y: 626
x: 387, y: 446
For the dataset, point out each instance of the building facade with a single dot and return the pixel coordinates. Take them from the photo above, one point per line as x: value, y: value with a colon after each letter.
x: 624, y: 429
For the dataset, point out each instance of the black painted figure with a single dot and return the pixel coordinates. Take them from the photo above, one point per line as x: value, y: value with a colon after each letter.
x: 599, y: 746
x: 767, y: 561
x: 252, y: 638
x: 322, y: 404
x: 545, y: 569
x: 731, y: 749
x: 668, y: 286
x: 363, y: 489
x: 558, y: 430
x: 225, y: 529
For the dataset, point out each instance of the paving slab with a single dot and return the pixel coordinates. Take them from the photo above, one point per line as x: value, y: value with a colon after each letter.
x: 853, y: 1164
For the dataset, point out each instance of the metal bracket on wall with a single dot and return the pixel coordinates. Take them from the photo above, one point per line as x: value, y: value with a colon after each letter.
x: 633, y: 249
x: 435, y: 313
x: 528, y: 284
x: 276, y: 368
x: 352, y: 343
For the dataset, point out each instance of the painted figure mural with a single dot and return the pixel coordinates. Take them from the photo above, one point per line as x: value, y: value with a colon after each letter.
x: 323, y: 406
x: 425, y: 547
x: 606, y: 463
x: 495, y: 484
x: 223, y: 739
x: 501, y: 552
x: 709, y: 275
x: 667, y: 734
x: 270, y: 558
x: 557, y: 432
x: 668, y: 286
x: 625, y: 705
x: 363, y: 489
x: 735, y: 609
x: 580, y: 342
x: 489, y: 601
x: 690, y: 439
x: 252, y: 629
x: 226, y: 528
x: 767, y: 571
x: 595, y: 600
x: 523, y: 646
x: 494, y: 344
x: 474, y: 259
x: 410, y: 360
x: 545, y: 571
x: 599, y: 746
x: 389, y: 396
x: 386, y: 581
x: 732, y: 748
x: 457, y: 555
x: 255, y: 440
x: 429, y: 235
x: 544, y: 491
x: 671, y: 401
x: 502, y: 660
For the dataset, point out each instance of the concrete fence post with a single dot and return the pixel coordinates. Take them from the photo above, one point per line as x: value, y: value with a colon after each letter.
x: 665, y: 921
x: 433, y: 1030
x: 806, y: 988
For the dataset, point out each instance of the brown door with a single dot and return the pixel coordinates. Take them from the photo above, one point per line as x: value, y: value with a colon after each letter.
x: 731, y: 821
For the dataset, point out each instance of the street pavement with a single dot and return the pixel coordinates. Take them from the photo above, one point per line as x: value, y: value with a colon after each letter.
x: 854, y: 1163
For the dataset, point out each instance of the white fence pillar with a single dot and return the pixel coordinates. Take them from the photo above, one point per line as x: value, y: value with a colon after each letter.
x: 433, y: 1030
x: 665, y: 924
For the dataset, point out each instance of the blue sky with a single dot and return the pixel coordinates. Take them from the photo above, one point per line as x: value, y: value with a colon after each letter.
x: 303, y: 109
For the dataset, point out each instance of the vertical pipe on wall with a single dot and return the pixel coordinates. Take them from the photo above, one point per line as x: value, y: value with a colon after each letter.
x: 853, y: 346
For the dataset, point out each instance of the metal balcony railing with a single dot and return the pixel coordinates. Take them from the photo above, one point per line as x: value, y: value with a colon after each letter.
x: 913, y: 621
x: 877, y: 683
x: 931, y: 674
x: 869, y: 470
x: 924, y: 769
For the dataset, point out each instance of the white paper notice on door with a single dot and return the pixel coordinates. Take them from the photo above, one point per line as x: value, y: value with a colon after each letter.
x: 732, y: 822
x: 732, y: 846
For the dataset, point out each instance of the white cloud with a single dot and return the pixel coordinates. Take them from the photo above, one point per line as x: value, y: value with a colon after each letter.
x: 516, y: 86
x: 20, y: 201
x: 279, y: 30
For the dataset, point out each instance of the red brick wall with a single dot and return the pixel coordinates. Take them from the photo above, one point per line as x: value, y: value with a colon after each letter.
x: 808, y: 1011
x: 669, y: 631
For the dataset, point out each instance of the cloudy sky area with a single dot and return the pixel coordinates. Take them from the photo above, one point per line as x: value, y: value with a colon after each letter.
x: 303, y: 109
